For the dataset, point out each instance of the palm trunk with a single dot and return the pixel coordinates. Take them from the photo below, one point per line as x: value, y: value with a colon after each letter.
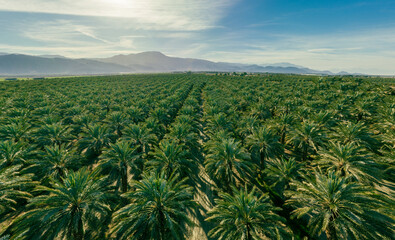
x: 78, y: 234
x: 249, y: 237
x: 330, y: 232
x: 304, y: 153
x: 124, y: 179
x: 262, y: 160
x: 282, y: 140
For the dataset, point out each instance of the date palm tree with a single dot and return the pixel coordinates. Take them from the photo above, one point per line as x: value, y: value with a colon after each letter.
x: 307, y: 138
x: 54, y: 162
x: 281, y: 172
x: 140, y: 137
x: 117, y: 122
x: 11, y: 153
x: 356, y: 133
x: 117, y: 160
x: 339, y: 208
x: 245, y: 215
x: 74, y: 208
x: 183, y: 133
x: 16, y: 132
x: 94, y: 139
x: 170, y: 158
x: 349, y: 160
x: 227, y: 163
x: 264, y: 141
x: 53, y: 134
x: 159, y: 209
x: 13, y: 187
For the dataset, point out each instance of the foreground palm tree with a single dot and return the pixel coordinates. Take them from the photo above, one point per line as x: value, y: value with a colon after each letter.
x: 245, y: 216
x: 339, y: 208
x: 158, y: 210
x: 227, y: 163
x: 72, y: 209
x: 117, y: 160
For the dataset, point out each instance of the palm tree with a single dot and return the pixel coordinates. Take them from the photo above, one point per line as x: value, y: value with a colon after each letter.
x: 281, y: 172
x: 11, y: 153
x: 141, y: 137
x: 356, y: 133
x: 54, y: 162
x: 117, y: 160
x: 307, y: 138
x: 264, y: 141
x: 218, y: 122
x: 339, y: 208
x: 117, y: 122
x: 15, y: 131
x: 247, y: 125
x: 74, y: 208
x: 159, y: 209
x: 155, y: 127
x: 170, y: 158
x: 243, y: 215
x: 349, y: 160
x: 227, y: 163
x: 13, y: 187
x: 183, y: 133
x: 94, y: 139
x: 53, y: 134
x: 135, y: 114
x: 284, y: 123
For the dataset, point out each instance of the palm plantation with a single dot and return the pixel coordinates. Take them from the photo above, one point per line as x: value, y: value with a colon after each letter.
x: 197, y: 156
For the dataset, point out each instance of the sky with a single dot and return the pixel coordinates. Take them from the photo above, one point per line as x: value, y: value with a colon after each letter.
x: 353, y: 36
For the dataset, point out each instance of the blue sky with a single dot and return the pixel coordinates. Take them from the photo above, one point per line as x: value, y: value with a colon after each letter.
x: 355, y: 36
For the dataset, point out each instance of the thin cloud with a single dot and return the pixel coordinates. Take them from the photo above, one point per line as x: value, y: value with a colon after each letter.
x: 147, y: 14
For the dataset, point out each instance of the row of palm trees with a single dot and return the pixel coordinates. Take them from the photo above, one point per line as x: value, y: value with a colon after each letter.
x: 287, y: 156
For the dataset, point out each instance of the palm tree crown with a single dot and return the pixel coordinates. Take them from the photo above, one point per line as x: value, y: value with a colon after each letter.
x: 72, y: 209
x: 118, y: 159
x: 245, y: 216
x: 227, y: 162
x: 340, y: 208
x: 159, y: 209
x: 349, y: 160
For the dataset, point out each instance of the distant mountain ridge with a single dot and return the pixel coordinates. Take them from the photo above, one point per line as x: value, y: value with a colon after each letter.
x: 145, y: 62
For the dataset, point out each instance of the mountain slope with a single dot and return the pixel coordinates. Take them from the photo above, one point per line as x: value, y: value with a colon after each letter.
x: 22, y: 65
x: 158, y: 62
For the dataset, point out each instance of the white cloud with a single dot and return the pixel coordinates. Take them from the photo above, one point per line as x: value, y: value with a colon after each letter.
x: 147, y: 14
x: 61, y: 32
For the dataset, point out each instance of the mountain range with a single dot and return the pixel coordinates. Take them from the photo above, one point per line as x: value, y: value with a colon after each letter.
x: 145, y: 62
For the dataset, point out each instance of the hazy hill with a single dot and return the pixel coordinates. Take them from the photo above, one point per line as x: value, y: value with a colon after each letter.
x: 18, y: 65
